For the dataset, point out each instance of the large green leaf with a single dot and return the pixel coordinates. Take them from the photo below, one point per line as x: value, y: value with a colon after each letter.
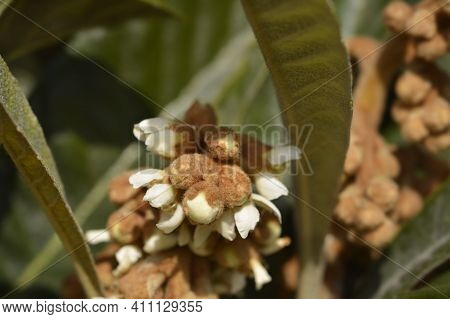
x: 28, y: 25
x: 309, y: 67
x: 423, y: 245
x: 24, y: 141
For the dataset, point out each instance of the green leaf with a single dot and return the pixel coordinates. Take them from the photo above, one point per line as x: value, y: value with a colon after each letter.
x: 422, y: 245
x: 88, y: 206
x: 25, y: 143
x: 309, y: 67
x: 38, y: 24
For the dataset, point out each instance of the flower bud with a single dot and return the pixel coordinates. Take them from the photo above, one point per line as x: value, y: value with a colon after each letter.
x: 223, y: 144
x: 369, y: 217
x: 234, y: 185
x: 436, y: 115
x: 348, y: 205
x: 354, y: 158
x: 411, y: 88
x: 422, y: 23
x: 409, y: 204
x: 120, y: 189
x: 189, y: 169
x: 202, y: 203
x: 383, y: 191
x: 433, y: 48
x: 383, y: 235
x: 414, y: 128
x: 396, y: 14
x: 200, y: 115
x: 125, y: 226
x: 438, y: 143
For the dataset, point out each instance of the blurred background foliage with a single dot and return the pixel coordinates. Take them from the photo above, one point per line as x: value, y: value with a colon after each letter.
x: 89, y: 92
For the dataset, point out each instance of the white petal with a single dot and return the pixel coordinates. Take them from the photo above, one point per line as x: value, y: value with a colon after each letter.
x: 97, y: 236
x: 126, y: 257
x: 262, y: 277
x: 162, y: 142
x: 170, y: 220
x: 149, y: 126
x: 145, y: 177
x: 199, y: 210
x: 270, y: 187
x: 160, y: 195
x: 184, y: 235
x: 201, y: 234
x: 267, y: 204
x: 226, y: 224
x: 282, y: 154
x: 159, y: 241
x: 246, y: 217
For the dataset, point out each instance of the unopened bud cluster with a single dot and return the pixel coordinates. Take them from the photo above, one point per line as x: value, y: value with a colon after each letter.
x: 199, y: 210
x: 371, y: 213
x: 422, y: 108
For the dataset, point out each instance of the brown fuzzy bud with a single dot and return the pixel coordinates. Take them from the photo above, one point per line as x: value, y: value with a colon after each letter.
x: 433, y: 48
x: 438, y: 143
x: 137, y: 281
x: 125, y: 226
x: 409, y: 204
x: 400, y: 112
x: 396, y: 14
x: 414, y: 128
x: 411, y: 88
x: 369, y: 217
x: 202, y: 203
x: 105, y: 275
x: 436, y: 115
x: 200, y: 115
x: 387, y: 163
x: 383, y: 191
x: 234, y: 184
x: 422, y: 23
x: 383, y: 235
x: 223, y: 144
x: 120, y: 189
x: 349, y: 203
x: 189, y: 169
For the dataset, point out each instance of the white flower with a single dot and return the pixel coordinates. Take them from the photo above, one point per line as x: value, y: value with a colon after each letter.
x: 146, y: 176
x: 184, y: 235
x: 266, y: 204
x: 149, y: 126
x: 226, y: 224
x: 126, y: 256
x: 201, y: 234
x: 200, y: 211
x: 170, y: 220
x: 97, y: 236
x: 159, y: 241
x: 160, y: 195
x: 163, y: 142
x: 262, y: 277
x: 246, y: 218
x: 280, y: 155
x: 269, y: 186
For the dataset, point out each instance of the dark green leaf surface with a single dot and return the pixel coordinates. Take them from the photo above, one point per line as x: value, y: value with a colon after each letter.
x: 24, y: 141
x: 423, y: 245
x: 309, y: 67
x: 28, y: 25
